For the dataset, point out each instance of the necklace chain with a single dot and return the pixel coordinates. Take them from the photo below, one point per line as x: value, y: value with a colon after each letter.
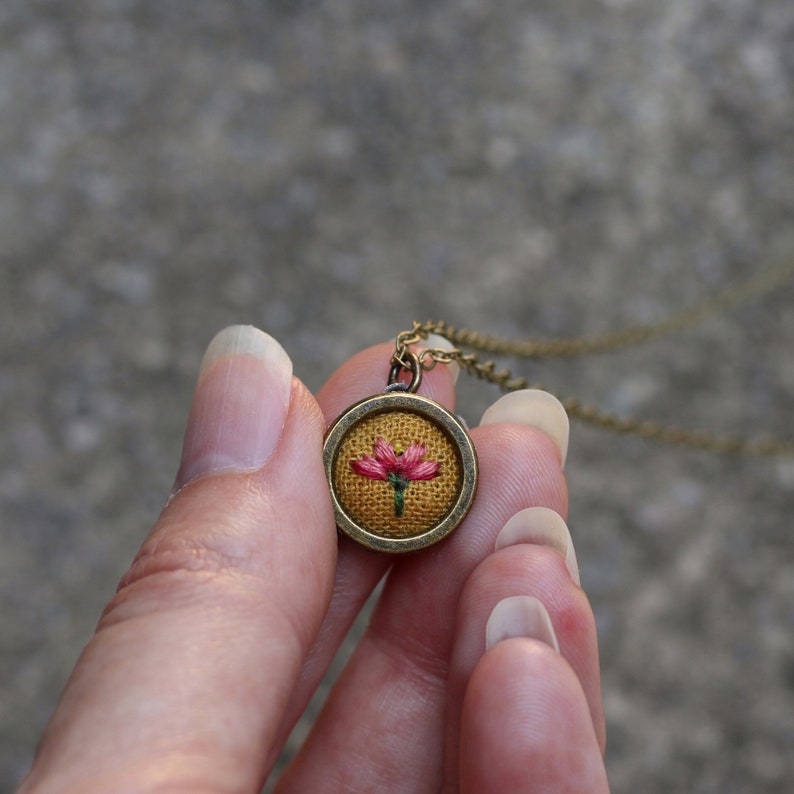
x: 471, y: 363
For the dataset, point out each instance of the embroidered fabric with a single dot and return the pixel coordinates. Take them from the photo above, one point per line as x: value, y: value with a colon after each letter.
x: 371, y: 502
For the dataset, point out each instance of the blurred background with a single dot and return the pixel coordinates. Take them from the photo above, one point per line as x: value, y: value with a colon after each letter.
x: 331, y: 171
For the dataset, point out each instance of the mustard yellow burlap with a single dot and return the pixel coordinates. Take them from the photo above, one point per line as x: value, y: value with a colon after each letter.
x: 370, y: 503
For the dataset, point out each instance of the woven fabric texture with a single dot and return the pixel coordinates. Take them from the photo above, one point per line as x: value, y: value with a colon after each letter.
x: 370, y: 503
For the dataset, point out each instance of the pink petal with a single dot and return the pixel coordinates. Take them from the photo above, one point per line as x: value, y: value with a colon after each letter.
x: 424, y: 470
x: 412, y: 456
x: 385, y: 453
x: 369, y: 467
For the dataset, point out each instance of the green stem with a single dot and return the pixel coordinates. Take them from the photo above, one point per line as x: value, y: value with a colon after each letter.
x: 399, y: 502
x: 399, y: 484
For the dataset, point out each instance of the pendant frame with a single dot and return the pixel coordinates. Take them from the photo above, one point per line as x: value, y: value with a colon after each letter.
x: 463, y: 469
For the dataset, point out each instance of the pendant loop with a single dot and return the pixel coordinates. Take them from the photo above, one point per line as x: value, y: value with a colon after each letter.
x: 408, y: 361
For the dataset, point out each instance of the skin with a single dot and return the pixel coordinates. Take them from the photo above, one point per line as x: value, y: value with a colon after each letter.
x: 240, y: 596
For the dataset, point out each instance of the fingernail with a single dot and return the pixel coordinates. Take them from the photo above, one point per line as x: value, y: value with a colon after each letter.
x: 542, y: 526
x: 240, y: 404
x: 434, y: 340
x: 520, y: 616
x: 535, y: 408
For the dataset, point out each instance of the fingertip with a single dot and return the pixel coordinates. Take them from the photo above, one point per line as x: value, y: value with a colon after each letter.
x: 526, y: 725
x: 520, y: 616
x: 543, y: 526
x: 535, y: 408
x: 239, y: 406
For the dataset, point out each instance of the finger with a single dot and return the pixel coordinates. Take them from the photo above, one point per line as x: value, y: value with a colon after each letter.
x: 183, y: 684
x: 534, y: 558
x: 358, y: 569
x: 527, y: 727
x: 391, y: 698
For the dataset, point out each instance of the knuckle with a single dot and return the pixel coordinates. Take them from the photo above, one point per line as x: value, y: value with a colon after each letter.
x: 531, y: 570
x: 181, y: 568
x: 183, y: 552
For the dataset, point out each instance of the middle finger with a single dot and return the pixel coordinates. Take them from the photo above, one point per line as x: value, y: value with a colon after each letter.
x: 383, y: 725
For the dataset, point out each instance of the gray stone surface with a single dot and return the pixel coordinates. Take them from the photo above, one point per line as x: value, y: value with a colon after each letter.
x: 331, y: 171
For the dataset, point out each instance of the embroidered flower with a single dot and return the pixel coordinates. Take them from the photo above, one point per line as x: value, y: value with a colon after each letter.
x: 399, y: 469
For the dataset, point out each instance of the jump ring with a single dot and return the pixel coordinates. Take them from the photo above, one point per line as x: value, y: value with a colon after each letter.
x: 408, y: 361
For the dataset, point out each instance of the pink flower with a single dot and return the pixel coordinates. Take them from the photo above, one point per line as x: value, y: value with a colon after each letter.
x: 408, y: 465
x: 398, y: 469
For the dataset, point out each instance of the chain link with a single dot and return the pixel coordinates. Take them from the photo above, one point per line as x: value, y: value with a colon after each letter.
x: 470, y: 363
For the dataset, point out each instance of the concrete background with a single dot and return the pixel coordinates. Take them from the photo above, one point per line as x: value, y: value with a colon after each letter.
x: 332, y: 170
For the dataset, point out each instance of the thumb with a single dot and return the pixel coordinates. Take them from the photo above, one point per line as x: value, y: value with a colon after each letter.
x: 183, y: 684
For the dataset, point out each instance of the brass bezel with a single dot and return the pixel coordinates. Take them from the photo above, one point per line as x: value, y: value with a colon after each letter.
x: 432, y: 411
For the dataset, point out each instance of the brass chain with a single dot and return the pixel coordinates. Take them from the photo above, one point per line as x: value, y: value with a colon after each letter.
x: 470, y: 363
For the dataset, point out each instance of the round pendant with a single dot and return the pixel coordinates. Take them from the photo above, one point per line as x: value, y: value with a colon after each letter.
x: 402, y: 471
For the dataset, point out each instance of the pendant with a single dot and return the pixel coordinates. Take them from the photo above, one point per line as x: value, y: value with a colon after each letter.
x: 402, y: 469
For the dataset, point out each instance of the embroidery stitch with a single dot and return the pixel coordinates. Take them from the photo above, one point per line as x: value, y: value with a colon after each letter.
x: 399, y: 469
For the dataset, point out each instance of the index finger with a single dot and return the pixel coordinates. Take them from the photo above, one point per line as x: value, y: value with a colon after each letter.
x: 358, y: 569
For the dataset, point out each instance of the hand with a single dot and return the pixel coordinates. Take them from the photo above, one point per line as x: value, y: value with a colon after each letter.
x: 237, y: 601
